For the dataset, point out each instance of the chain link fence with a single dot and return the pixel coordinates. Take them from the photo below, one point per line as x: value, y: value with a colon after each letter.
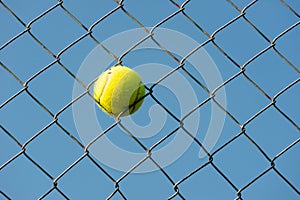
x: 23, y: 84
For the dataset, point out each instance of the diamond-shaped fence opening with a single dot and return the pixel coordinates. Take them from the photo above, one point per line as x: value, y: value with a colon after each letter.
x: 220, y: 117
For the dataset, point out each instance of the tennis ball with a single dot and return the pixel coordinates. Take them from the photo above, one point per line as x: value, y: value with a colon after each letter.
x: 119, y: 89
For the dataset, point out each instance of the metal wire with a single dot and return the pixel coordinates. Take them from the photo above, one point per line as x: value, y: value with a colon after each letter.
x: 120, y: 6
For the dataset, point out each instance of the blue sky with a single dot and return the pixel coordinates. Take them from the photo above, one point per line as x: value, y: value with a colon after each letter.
x: 233, y: 168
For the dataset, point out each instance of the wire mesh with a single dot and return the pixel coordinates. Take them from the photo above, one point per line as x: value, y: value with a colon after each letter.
x: 87, y: 33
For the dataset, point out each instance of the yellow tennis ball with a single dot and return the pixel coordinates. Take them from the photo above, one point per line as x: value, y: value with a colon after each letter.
x: 119, y: 89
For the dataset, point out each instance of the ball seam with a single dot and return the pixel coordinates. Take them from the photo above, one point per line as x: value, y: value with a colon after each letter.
x: 136, y: 98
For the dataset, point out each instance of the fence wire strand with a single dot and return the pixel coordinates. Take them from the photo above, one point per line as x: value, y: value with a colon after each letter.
x: 211, y: 39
